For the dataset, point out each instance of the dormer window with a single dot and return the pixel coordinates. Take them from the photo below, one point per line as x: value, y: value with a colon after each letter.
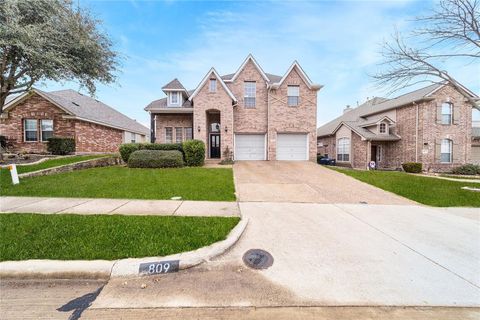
x: 174, y: 99
x: 382, y: 128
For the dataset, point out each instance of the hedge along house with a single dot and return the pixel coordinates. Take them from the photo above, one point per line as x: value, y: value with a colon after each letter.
x: 431, y: 125
x: 249, y: 115
x: 28, y: 120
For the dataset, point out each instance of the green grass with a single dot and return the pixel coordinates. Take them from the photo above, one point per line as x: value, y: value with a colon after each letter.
x: 74, y: 237
x: 55, y: 163
x: 128, y: 183
x: 429, y: 191
x: 460, y: 177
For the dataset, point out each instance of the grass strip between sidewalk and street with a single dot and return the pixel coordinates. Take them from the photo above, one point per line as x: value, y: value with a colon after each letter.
x: 110, y: 237
x: 118, y: 182
x: 425, y: 190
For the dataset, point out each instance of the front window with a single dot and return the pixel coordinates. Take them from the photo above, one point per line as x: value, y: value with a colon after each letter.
x: 250, y: 94
x: 178, y: 135
x: 174, y: 97
x: 47, y: 129
x: 383, y: 128
x: 168, y: 135
x: 30, y: 126
x: 188, y: 133
x: 447, y: 113
x: 213, y: 85
x: 343, y: 149
x: 446, y: 151
x: 133, y: 137
x: 293, y: 93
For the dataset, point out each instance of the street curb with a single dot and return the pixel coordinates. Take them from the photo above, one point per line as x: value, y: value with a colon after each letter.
x: 104, y: 269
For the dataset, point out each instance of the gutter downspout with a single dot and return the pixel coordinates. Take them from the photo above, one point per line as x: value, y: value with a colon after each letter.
x: 416, y: 131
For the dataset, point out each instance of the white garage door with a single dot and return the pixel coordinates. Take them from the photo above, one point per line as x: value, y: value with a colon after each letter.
x: 476, y: 154
x: 249, y: 147
x: 292, y: 146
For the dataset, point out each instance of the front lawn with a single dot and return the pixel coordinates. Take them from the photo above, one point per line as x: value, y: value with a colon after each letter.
x: 429, y: 191
x: 128, y: 183
x: 54, y: 163
x: 80, y: 237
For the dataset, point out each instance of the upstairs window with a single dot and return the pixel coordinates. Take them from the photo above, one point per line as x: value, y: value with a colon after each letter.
x: 174, y: 98
x: 447, y: 109
x: 213, y: 85
x: 293, y: 93
x: 47, y: 129
x: 446, y: 151
x: 343, y: 149
x: 382, y: 128
x: 30, y: 127
x: 250, y: 94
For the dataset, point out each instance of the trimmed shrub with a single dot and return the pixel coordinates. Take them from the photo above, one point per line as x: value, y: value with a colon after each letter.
x: 412, y: 167
x: 156, y: 159
x: 467, y: 169
x: 127, y: 149
x: 61, y: 145
x: 194, y: 151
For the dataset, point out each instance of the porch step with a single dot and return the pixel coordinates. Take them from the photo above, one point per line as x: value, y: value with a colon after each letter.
x: 212, y: 161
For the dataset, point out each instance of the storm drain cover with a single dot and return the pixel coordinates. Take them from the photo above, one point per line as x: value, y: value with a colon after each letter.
x: 258, y: 259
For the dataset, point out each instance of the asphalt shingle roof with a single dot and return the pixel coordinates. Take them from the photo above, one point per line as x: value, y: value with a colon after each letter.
x: 174, y: 85
x: 91, y: 109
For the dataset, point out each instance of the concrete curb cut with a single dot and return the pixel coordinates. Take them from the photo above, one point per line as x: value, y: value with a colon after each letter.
x: 130, y: 267
x: 103, y: 269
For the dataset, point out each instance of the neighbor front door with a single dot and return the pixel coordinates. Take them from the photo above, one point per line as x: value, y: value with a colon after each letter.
x: 214, y: 145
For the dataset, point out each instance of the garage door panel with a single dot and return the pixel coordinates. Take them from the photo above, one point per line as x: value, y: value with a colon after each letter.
x: 476, y: 154
x: 292, y: 146
x: 249, y: 147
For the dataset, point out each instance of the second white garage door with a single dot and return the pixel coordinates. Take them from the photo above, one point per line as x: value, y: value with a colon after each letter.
x: 476, y: 154
x: 292, y: 146
x: 249, y: 147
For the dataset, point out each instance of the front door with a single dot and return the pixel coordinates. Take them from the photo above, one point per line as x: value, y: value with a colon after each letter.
x: 373, y: 152
x: 214, y: 145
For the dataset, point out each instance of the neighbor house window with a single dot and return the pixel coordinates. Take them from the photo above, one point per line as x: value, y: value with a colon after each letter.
x: 343, y: 149
x: 293, y: 94
x: 178, y: 135
x: 188, y: 133
x: 168, y: 135
x: 174, y: 98
x: 447, y: 109
x: 133, y: 137
x: 446, y: 151
x: 250, y: 94
x: 383, y: 128
x: 47, y: 129
x: 30, y: 126
x: 213, y: 85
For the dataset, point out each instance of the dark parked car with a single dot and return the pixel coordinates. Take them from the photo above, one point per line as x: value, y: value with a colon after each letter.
x: 326, y: 160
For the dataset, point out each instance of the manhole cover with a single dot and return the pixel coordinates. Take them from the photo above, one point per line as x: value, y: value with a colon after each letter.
x: 258, y: 259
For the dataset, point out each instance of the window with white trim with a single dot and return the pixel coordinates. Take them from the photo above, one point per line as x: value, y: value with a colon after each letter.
x: 188, y: 133
x: 168, y: 134
x: 250, y: 88
x: 178, y: 135
x: 343, y: 149
x: 382, y: 128
x: 174, y: 98
x: 213, y: 85
x: 447, y: 110
x: 446, y: 151
x: 30, y: 130
x: 133, y: 137
x: 46, y: 127
x: 293, y: 96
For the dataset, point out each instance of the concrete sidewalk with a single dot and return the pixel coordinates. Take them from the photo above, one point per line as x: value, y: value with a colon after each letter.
x: 117, y: 206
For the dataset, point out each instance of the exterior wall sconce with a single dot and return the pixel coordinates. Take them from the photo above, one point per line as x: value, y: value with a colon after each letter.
x: 198, y: 128
x: 226, y: 129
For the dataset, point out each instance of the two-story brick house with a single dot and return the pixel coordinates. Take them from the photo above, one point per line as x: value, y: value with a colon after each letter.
x: 250, y: 114
x: 432, y: 125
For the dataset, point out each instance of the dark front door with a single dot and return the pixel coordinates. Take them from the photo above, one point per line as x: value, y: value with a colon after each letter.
x: 215, y: 145
x: 374, y: 154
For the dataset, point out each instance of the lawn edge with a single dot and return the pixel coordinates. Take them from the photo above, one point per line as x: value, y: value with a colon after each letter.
x: 105, y: 269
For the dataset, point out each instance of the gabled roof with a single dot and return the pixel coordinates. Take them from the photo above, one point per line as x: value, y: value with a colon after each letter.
x: 242, y: 66
x: 204, y: 80
x: 376, y: 120
x: 163, y: 102
x: 174, y: 85
x: 302, y: 73
x: 84, y: 108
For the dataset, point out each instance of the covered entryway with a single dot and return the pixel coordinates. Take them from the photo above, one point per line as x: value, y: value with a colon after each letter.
x: 250, y: 147
x: 292, y: 146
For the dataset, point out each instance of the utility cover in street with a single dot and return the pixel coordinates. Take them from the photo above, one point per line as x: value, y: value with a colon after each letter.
x: 258, y: 259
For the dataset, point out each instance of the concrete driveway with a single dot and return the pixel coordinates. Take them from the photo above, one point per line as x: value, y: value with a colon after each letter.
x: 302, y: 181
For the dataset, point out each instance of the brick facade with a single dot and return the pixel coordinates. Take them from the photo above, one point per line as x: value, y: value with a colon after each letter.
x: 89, y: 137
x: 173, y: 121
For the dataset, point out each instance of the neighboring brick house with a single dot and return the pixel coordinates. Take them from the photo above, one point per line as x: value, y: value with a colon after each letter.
x: 432, y: 125
x: 251, y: 115
x: 28, y: 120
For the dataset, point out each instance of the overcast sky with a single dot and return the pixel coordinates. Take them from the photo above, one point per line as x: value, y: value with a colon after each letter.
x: 336, y: 42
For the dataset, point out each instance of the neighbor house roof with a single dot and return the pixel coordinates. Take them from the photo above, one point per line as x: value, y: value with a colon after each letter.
x: 85, y: 108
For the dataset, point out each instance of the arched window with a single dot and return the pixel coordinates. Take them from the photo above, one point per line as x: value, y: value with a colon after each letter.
x: 447, y: 109
x: 446, y: 151
x: 343, y: 149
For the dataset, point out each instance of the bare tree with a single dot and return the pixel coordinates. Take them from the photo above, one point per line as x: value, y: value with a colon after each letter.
x: 452, y: 31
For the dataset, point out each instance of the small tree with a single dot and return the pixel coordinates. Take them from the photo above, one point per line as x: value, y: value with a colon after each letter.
x: 50, y: 40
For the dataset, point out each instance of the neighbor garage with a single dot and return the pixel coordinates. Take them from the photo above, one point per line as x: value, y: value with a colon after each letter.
x: 292, y: 146
x: 250, y: 147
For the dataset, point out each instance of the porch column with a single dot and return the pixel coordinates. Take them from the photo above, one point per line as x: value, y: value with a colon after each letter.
x: 152, y: 128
